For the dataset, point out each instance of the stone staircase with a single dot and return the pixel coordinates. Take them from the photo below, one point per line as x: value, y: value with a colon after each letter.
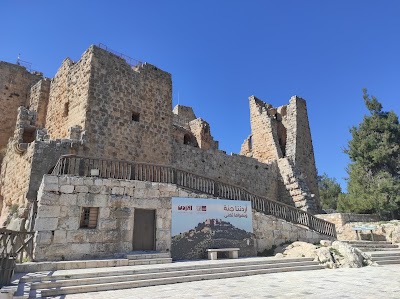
x: 35, y: 285
x: 381, y: 252
x: 148, y: 258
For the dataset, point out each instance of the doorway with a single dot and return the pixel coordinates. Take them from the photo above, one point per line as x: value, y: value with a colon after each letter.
x: 144, y: 230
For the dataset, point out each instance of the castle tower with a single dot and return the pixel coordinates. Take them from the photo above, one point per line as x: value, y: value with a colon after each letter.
x: 283, y: 134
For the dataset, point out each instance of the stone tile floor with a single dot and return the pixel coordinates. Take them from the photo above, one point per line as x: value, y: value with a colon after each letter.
x: 368, y: 282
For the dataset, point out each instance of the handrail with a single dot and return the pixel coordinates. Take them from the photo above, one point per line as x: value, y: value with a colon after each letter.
x: 115, y: 169
x: 14, y: 244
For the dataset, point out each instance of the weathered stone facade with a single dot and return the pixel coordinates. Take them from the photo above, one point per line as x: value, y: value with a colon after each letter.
x: 103, y: 107
x: 61, y: 200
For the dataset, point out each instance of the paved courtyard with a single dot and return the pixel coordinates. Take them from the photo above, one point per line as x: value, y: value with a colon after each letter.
x: 368, y: 282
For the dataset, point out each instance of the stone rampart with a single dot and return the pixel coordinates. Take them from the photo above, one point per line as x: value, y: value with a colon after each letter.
x: 245, y: 172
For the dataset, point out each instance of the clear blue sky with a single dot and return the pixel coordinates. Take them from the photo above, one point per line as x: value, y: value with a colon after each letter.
x: 221, y: 52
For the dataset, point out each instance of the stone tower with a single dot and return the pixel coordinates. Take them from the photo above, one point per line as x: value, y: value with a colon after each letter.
x: 283, y: 134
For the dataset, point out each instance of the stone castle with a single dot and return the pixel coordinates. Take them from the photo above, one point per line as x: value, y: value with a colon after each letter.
x: 102, y: 106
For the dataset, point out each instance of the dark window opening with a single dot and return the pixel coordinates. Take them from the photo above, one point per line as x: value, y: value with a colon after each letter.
x: 187, y: 139
x: 89, y: 217
x: 135, y: 116
x: 29, y: 135
x: 250, y: 143
x: 66, y: 109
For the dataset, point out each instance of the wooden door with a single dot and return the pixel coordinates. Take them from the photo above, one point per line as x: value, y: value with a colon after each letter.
x: 144, y: 230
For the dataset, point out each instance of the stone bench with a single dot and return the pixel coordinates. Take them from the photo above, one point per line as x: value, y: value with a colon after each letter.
x: 213, y: 253
x: 359, y: 229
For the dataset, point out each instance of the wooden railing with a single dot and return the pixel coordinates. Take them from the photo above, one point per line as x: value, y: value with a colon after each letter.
x: 14, y: 247
x: 103, y: 168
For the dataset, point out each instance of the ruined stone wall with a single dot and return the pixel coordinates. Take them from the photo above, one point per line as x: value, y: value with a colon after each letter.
x: 248, y: 173
x: 299, y: 147
x: 39, y: 100
x: 15, y: 84
x: 69, y: 96
x: 264, y: 144
x: 129, y: 111
x: 270, y: 231
x: 15, y: 177
x: 202, y: 132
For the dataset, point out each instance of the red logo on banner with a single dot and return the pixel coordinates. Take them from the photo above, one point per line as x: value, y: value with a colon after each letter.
x: 201, y: 208
x: 185, y: 208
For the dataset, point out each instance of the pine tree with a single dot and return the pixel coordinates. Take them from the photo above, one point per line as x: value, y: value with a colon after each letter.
x: 329, y: 190
x: 374, y: 171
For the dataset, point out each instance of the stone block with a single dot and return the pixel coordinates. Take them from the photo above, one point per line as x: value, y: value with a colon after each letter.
x: 69, y: 223
x: 67, y: 189
x: 44, y: 238
x: 50, y: 179
x: 60, y: 236
x: 98, y: 182
x: 80, y: 248
x: 45, y: 224
x: 76, y: 181
x: 48, y: 198
x: 94, y: 189
x: 64, y: 180
x: 68, y: 199
x: 48, y: 211
x: 107, y: 224
x: 88, y: 181
x: 81, y: 189
x: 51, y: 187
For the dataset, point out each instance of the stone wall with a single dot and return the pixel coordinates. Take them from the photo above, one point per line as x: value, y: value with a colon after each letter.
x: 344, y: 223
x: 15, y: 85
x: 129, y: 110
x: 270, y: 231
x: 248, y: 173
x: 15, y: 177
x: 60, y: 202
x: 68, y: 98
x: 39, y: 100
x: 61, y: 199
x: 299, y: 147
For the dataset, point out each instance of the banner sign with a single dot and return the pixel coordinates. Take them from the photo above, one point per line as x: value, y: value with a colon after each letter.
x: 199, y: 223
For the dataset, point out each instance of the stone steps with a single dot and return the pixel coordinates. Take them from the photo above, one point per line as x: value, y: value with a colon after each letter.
x: 91, y: 280
x: 381, y: 252
x: 150, y: 261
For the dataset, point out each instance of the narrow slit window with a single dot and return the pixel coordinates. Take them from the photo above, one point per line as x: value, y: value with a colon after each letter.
x: 66, y: 109
x: 89, y: 217
x: 135, y: 116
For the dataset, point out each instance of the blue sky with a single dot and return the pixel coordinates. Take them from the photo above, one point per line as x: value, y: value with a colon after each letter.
x: 221, y: 52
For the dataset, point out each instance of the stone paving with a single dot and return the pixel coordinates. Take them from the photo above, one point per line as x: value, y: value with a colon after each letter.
x: 368, y: 282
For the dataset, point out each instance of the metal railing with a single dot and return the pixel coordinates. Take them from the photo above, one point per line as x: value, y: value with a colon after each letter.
x: 82, y: 166
x: 132, y: 62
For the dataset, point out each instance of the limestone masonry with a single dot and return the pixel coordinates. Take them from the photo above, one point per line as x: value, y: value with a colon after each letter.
x: 103, y: 107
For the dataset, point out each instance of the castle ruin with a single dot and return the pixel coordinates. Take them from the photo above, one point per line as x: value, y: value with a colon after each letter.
x: 103, y: 107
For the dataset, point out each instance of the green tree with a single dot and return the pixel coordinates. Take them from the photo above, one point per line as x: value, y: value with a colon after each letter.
x: 329, y: 191
x: 374, y: 171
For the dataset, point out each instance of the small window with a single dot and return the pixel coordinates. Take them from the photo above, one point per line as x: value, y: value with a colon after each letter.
x: 66, y: 109
x: 135, y: 116
x: 89, y: 217
x: 187, y: 139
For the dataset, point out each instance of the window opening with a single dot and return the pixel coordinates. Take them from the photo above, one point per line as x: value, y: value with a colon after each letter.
x: 135, y: 116
x: 89, y: 217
